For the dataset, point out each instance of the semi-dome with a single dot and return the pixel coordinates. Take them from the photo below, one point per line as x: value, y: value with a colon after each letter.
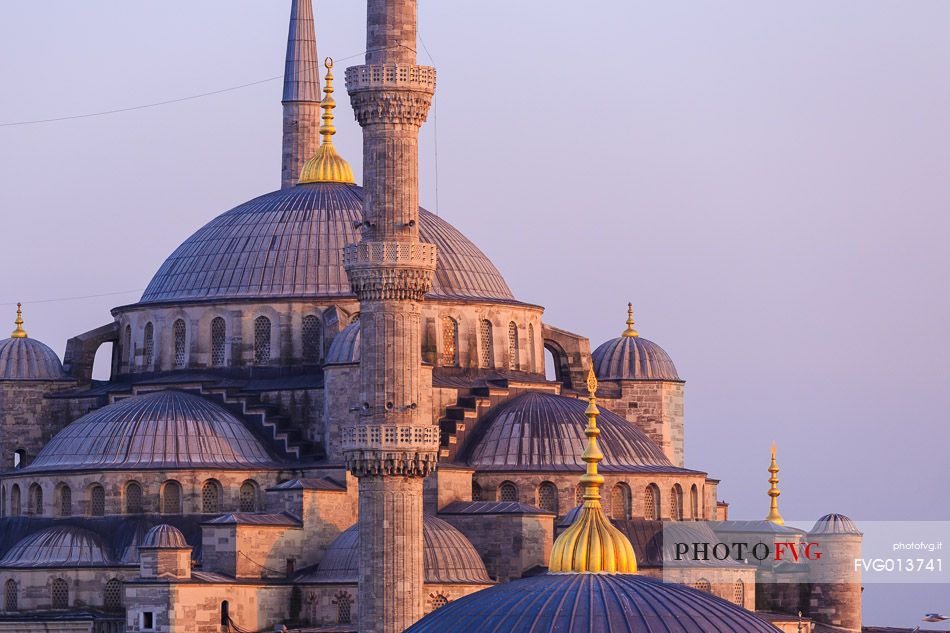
x: 585, y: 603
x: 345, y: 347
x: 289, y: 244
x: 164, y: 536
x: 448, y: 556
x: 835, y: 524
x: 63, y: 546
x: 632, y: 357
x: 545, y: 432
x: 166, y: 429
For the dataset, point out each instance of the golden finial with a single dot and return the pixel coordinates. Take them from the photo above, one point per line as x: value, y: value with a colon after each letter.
x: 630, y: 331
x: 774, y: 516
x: 19, y: 332
x: 592, y: 544
x: 326, y: 165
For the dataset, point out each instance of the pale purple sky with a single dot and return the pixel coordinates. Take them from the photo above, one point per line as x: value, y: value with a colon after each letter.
x: 768, y: 183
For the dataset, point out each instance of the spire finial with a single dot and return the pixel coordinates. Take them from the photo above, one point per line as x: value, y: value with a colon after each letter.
x: 326, y: 165
x: 592, y: 544
x: 19, y: 332
x: 630, y: 322
x: 774, y: 516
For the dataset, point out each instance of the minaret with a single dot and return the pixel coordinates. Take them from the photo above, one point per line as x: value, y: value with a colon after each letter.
x: 774, y: 516
x: 393, y: 446
x: 301, y: 98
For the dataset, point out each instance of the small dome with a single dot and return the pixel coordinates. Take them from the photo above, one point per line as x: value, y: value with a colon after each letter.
x: 166, y: 429
x: 29, y: 359
x: 165, y: 536
x: 448, y: 556
x: 66, y: 546
x: 345, y: 347
x: 569, y: 603
x: 632, y: 358
x: 835, y: 524
x: 541, y: 431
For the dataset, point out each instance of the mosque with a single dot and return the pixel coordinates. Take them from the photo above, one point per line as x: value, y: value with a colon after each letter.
x: 329, y: 412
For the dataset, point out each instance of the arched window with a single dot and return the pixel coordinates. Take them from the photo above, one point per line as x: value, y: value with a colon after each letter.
x: 218, y: 332
x: 532, y: 346
x: 738, y: 593
x: 97, y: 501
x: 450, y: 342
x: 476, y: 492
x: 171, y: 497
x: 211, y: 497
x: 694, y: 503
x: 438, y: 601
x: 507, y: 491
x: 60, y: 594
x: 19, y: 459
x: 676, y: 503
x: 133, y: 498
x: 262, y: 340
x: 65, y: 494
x: 226, y: 614
x: 651, y: 503
x: 15, y: 500
x: 620, y: 502
x: 344, y: 608
x: 112, y: 596
x: 547, y: 497
x: 35, y: 500
x: 148, y: 345
x: 703, y: 585
x: 178, y: 329
x: 488, y: 346
x: 129, y: 349
x: 248, y: 501
x: 514, y: 353
x: 312, y: 340
x: 10, y: 596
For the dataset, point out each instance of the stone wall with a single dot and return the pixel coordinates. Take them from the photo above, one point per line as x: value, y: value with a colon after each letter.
x: 85, y: 585
x: 509, y: 544
x: 29, y: 419
x: 450, y: 483
x: 735, y: 584
x: 656, y: 408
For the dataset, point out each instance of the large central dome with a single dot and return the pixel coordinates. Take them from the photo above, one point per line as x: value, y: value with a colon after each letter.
x: 289, y: 244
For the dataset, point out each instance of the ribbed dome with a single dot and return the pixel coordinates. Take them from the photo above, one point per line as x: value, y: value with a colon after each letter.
x: 167, y: 429
x: 66, y: 546
x: 345, y: 347
x: 835, y: 524
x: 542, y: 431
x: 632, y: 358
x: 289, y: 243
x: 591, y: 603
x: 165, y: 536
x: 448, y: 556
x: 29, y: 359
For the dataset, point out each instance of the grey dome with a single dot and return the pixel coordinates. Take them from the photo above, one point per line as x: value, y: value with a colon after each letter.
x: 165, y: 536
x: 66, y: 546
x: 289, y: 243
x: 29, y: 359
x: 591, y: 603
x: 166, y: 429
x: 345, y: 347
x: 544, y: 432
x: 835, y: 524
x: 448, y: 556
x: 632, y: 358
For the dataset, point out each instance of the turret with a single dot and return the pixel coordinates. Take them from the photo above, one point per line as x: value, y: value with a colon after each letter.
x: 301, y: 99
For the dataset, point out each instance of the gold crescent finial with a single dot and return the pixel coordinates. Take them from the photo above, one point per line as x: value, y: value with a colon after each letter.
x: 326, y: 165
x: 630, y: 331
x: 774, y: 515
x: 592, y: 544
x: 19, y: 332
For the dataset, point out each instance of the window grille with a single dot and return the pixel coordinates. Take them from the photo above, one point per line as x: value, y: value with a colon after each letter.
x: 547, y: 497
x: 112, y: 597
x: 35, y: 506
x: 738, y: 593
x: 507, y: 492
x: 703, y: 585
x: 261, y: 340
x: 488, y: 346
x: 60, y: 594
x: 439, y: 601
x: 210, y: 501
x: 178, y: 328
x: 450, y: 342
x: 620, y: 502
x: 65, y: 501
x: 171, y: 498
x: 10, y: 596
x: 312, y: 340
x: 133, y: 498
x: 476, y: 492
x: 97, y: 501
x: 651, y: 503
x: 514, y: 355
x: 218, y: 331
x: 248, y: 497
x: 344, y: 608
x: 149, y: 344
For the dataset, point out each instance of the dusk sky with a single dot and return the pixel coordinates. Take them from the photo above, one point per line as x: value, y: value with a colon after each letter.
x: 768, y: 183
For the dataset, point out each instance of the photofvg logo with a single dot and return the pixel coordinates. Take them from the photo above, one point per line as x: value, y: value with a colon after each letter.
x: 841, y: 552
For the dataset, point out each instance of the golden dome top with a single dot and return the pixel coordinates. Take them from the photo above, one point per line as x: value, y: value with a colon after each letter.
x: 592, y: 544
x: 19, y: 332
x: 630, y: 322
x: 326, y: 165
x: 774, y: 516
